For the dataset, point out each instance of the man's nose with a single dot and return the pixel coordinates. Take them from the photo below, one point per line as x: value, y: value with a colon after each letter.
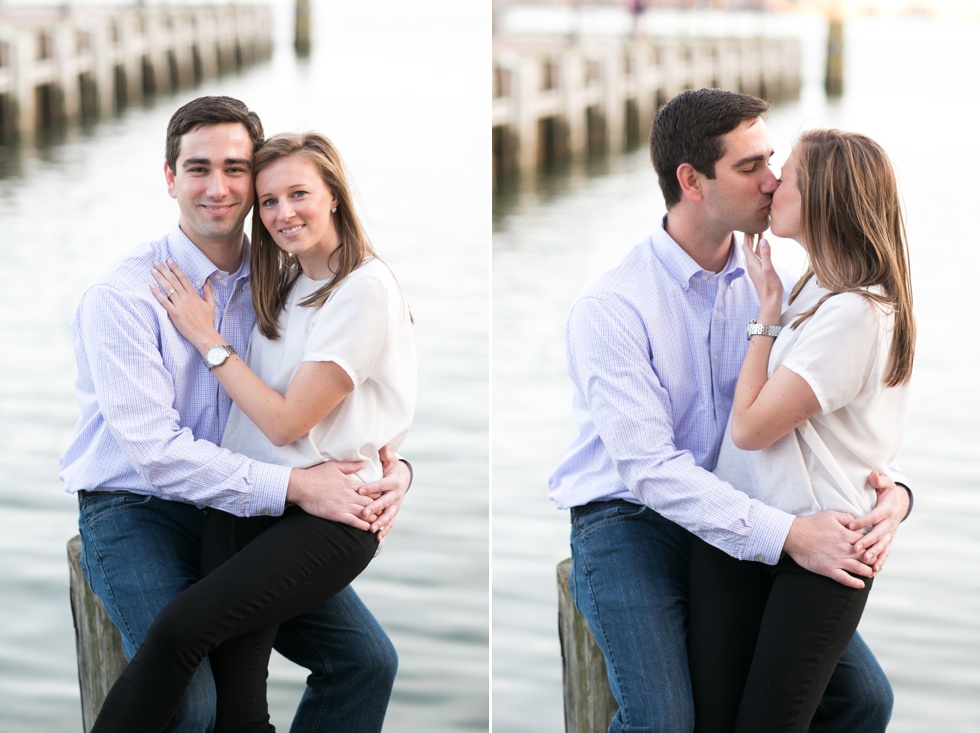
x: 217, y: 185
x: 771, y: 183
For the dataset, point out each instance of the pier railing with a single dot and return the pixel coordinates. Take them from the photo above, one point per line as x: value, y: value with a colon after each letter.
x: 553, y: 100
x: 60, y: 67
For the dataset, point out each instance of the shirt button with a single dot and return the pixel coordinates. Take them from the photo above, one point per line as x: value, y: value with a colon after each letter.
x: 760, y: 558
x: 266, y: 512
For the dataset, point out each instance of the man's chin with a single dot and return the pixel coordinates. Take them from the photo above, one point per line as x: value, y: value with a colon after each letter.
x: 756, y: 227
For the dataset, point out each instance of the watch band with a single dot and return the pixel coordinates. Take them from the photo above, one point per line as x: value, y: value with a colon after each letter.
x: 761, y: 329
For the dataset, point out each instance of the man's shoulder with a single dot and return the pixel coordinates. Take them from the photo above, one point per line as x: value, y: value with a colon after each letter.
x: 131, y: 268
x: 627, y: 278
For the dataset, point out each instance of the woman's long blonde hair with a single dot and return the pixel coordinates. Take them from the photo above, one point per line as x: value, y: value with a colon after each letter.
x: 274, y: 272
x: 853, y: 231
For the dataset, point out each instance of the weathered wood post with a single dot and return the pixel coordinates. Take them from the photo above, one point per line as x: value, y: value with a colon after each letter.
x: 589, y: 703
x: 302, y: 39
x: 834, y: 82
x: 97, y: 641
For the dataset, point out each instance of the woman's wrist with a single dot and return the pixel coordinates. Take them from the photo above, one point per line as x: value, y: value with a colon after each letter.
x: 207, y: 342
x: 768, y: 317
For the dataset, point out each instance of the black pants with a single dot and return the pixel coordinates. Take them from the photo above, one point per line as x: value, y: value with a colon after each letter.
x: 764, y: 641
x: 284, y: 567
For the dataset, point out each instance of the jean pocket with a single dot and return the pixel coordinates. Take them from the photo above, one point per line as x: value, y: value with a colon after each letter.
x: 588, y: 518
x: 97, y: 505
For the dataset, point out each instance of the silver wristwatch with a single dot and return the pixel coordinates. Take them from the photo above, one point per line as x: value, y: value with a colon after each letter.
x: 218, y: 355
x: 759, y: 329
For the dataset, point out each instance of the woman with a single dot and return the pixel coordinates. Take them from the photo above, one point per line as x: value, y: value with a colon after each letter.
x: 334, y: 379
x: 820, y: 402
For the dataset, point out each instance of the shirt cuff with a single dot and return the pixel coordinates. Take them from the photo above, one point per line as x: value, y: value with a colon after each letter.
x: 269, y: 484
x: 770, y: 528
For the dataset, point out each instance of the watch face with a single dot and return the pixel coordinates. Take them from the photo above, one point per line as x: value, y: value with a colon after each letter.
x: 216, y: 355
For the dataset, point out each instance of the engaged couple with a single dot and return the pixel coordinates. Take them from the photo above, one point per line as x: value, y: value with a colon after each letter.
x: 732, y: 486
x: 234, y: 460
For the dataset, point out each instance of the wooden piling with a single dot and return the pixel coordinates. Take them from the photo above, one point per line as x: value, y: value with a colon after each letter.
x: 589, y: 702
x: 302, y: 40
x: 834, y: 80
x: 553, y: 98
x: 56, y: 68
x: 98, y: 644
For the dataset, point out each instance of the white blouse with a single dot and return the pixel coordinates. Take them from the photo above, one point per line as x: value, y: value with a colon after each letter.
x: 365, y: 328
x: 843, y: 352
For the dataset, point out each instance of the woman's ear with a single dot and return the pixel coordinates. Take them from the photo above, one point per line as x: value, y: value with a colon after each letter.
x: 690, y: 182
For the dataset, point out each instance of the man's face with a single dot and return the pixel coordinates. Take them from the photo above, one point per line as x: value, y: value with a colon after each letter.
x: 740, y: 195
x: 213, y: 183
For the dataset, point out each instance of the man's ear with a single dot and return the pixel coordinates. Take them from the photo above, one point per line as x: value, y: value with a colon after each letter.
x: 171, y: 183
x: 690, y: 182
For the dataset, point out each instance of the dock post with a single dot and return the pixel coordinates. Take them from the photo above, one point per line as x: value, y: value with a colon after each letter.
x: 97, y: 641
x: 526, y: 81
x: 23, y: 52
x: 572, y: 76
x: 103, y: 71
x: 67, y: 96
x: 589, y: 703
x: 613, y: 101
x: 302, y: 42
x: 206, y: 43
x: 834, y: 82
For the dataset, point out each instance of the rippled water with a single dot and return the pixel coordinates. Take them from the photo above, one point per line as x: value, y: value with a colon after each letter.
x: 910, y: 85
x: 391, y: 84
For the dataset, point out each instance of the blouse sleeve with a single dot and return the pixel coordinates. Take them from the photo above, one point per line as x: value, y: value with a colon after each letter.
x: 836, y: 349
x: 351, y: 327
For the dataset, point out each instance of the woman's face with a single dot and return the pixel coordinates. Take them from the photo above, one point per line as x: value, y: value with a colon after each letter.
x: 786, y: 202
x: 294, y: 204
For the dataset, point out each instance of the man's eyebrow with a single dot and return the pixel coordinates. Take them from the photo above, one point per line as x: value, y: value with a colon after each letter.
x: 189, y: 162
x: 752, y: 159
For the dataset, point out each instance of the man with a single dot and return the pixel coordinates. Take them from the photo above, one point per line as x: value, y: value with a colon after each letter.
x: 654, y: 348
x: 145, y: 452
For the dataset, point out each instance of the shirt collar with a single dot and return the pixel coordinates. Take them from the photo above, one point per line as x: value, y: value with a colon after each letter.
x: 682, y: 268
x: 194, y: 262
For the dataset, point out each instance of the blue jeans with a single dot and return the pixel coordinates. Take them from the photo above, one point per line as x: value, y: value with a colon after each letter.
x: 630, y: 580
x: 139, y: 552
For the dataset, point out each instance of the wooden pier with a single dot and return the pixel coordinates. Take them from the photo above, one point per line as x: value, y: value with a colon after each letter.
x: 59, y: 67
x: 557, y: 99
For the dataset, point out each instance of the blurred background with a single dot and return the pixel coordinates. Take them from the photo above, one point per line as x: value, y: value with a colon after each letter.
x: 901, y: 72
x: 392, y: 84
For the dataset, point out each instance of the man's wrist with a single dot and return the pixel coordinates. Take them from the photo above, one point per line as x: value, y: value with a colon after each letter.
x: 295, y: 487
x: 911, y: 500
x: 411, y: 475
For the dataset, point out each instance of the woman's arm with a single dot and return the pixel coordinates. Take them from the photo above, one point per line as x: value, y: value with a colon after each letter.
x: 765, y: 409
x: 315, y: 390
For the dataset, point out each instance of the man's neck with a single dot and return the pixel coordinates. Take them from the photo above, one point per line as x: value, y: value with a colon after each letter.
x: 710, y: 249
x: 226, y: 255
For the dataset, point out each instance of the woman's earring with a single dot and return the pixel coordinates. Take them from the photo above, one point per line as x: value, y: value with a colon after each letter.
x: 333, y: 210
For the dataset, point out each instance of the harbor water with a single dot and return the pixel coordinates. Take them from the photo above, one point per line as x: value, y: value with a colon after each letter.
x: 391, y: 83
x: 910, y: 85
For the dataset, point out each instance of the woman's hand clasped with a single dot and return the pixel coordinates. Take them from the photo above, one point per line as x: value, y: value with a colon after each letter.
x: 387, y: 492
x: 191, y: 314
